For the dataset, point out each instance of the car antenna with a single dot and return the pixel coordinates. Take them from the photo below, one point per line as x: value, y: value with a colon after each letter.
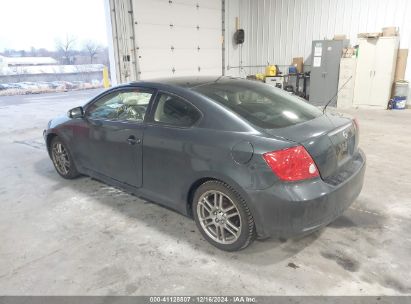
x: 326, y: 105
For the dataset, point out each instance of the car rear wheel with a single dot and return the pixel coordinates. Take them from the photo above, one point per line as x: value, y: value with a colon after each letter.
x: 62, y: 160
x: 223, y: 217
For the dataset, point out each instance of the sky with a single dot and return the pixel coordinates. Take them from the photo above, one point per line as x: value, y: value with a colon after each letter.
x: 38, y: 23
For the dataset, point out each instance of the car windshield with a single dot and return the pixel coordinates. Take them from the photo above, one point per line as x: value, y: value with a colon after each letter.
x: 262, y: 105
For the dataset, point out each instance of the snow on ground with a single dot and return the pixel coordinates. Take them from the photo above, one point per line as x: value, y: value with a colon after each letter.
x: 51, y: 69
x: 22, y: 88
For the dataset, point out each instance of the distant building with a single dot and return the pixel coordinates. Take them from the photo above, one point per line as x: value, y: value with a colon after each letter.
x: 26, y: 61
x: 2, y: 62
x: 46, y: 69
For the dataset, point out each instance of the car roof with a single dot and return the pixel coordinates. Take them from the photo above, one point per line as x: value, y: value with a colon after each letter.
x: 186, y: 82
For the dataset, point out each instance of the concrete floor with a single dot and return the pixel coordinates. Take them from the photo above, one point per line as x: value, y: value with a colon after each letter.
x: 82, y: 237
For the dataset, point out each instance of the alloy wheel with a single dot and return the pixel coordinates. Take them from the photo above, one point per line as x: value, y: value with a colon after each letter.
x: 219, y: 217
x: 61, y: 158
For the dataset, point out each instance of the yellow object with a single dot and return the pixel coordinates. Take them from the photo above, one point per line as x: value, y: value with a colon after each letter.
x: 260, y: 76
x: 106, y: 81
x: 271, y: 70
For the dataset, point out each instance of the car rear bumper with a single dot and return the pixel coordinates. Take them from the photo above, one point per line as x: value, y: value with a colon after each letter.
x: 291, y: 209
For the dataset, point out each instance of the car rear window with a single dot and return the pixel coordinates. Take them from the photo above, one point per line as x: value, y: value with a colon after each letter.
x: 262, y: 105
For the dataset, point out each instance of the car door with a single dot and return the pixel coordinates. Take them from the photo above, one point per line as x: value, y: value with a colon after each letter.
x: 116, y: 126
x: 169, y: 142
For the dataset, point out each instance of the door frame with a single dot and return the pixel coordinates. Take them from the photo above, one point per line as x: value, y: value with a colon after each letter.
x: 123, y: 89
x: 120, y: 124
x: 149, y: 117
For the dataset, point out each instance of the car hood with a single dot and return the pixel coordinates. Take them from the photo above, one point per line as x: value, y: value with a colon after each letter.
x: 59, y: 120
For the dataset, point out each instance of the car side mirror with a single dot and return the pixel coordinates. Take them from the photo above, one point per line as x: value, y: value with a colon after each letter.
x: 77, y: 112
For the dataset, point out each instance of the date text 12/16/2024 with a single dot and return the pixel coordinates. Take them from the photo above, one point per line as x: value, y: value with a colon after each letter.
x: 203, y: 299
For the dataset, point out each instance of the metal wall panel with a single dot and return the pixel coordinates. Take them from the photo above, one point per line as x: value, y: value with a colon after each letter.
x: 278, y: 30
x: 123, y: 40
x: 110, y: 37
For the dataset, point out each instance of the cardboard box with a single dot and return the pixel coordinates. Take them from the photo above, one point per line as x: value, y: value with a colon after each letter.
x: 369, y: 35
x: 340, y: 37
x: 401, y: 64
x: 348, y: 53
x: 389, y: 31
x: 298, y: 62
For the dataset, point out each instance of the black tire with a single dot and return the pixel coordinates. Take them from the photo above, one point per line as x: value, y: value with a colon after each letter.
x: 70, y: 172
x: 246, y: 231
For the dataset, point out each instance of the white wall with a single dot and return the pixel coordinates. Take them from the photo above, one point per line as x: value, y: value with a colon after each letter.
x: 278, y: 30
x: 178, y: 37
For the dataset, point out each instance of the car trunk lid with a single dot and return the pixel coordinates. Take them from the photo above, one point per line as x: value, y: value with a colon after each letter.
x: 330, y: 140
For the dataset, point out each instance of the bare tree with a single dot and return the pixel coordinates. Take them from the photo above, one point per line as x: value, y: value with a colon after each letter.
x: 92, y: 48
x: 65, y: 48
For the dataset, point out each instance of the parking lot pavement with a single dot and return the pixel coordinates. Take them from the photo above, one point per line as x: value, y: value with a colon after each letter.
x: 82, y: 237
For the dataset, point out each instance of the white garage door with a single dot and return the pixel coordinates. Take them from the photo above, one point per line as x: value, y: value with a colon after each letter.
x: 170, y: 37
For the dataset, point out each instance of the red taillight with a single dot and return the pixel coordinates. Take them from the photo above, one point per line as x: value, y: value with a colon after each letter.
x: 292, y: 164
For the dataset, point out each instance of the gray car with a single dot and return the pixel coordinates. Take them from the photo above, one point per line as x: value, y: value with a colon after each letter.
x: 242, y: 158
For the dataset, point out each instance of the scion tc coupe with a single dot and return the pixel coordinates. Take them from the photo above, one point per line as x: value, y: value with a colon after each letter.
x: 242, y: 158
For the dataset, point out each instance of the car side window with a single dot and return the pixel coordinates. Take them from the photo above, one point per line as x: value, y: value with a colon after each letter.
x: 123, y: 105
x: 173, y: 110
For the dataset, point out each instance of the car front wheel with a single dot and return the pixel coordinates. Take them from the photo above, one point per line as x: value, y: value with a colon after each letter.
x: 223, y: 217
x: 62, y: 159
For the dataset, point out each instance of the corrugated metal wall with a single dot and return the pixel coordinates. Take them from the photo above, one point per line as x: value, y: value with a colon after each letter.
x: 123, y: 40
x: 278, y: 30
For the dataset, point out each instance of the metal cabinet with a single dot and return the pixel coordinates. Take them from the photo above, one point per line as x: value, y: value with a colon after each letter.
x: 375, y: 71
x: 326, y: 55
x: 346, y: 83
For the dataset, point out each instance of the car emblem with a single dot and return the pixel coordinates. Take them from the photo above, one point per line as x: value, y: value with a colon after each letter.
x: 345, y: 134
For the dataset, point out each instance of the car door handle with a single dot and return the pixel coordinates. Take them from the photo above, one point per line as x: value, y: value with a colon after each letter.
x: 132, y: 140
